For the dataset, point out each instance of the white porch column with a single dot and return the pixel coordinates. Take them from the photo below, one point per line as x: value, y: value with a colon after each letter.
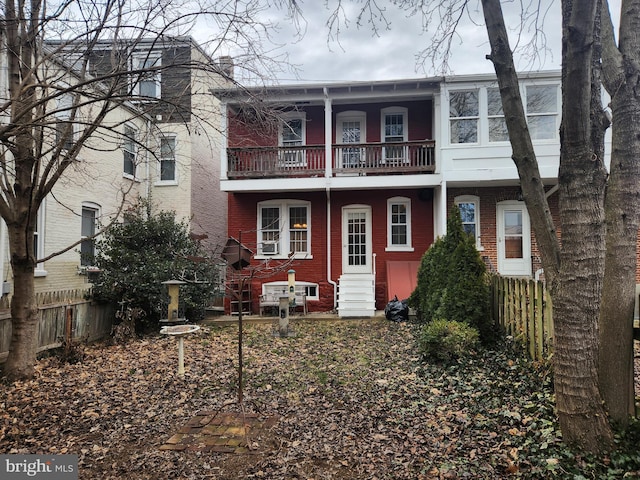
x: 224, y: 163
x: 440, y: 210
x: 328, y: 130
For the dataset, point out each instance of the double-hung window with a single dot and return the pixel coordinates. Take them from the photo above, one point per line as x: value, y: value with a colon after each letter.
x: 497, y: 124
x: 469, y: 206
x: 129, y: 151
x: 168, y: 158
x: 399, y: 224
x: 394, y: 130
x: 284, y: 228
x: 464, y: 115
x: 542, y: 111
x: 88, y: 229
x: 65, y: 135
x: 292, y: 135
x: 146, y: 75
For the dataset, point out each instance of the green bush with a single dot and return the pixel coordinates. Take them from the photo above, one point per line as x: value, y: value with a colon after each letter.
x: 143, y: 251
x: 452, y: 281
x: 444, y: 340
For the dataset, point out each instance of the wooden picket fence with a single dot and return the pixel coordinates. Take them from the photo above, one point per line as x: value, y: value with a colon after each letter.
x: 64, y: 315
x: 522, y: 307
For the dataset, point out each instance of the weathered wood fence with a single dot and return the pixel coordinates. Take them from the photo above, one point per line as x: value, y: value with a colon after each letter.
x: 523, y: 308
x: 63, y: 315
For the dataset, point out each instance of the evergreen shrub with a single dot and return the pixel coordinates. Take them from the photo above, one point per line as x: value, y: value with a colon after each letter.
x: 452, y: 281
x: 143, y: 251
x: 447, y: 340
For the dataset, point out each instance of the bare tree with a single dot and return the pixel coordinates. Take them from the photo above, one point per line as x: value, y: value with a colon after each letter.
x: 71, y: 78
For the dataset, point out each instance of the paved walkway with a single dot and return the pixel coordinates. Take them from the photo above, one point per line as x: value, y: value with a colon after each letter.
x: 224, y: 432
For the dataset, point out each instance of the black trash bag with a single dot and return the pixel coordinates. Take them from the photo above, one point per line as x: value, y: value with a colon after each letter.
x: 397, y: 310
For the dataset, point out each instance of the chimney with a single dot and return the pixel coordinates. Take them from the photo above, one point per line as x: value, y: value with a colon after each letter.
x: 226, y: 66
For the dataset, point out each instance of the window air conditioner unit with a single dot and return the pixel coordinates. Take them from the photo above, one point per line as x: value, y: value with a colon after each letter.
x: 270, y: 248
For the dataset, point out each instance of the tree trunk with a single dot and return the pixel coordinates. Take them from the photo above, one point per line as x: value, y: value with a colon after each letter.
x: 576, y: 300
x: 622, y: 75
x: 575, y: 271
x: 615, y: 362
x: 24, y: 311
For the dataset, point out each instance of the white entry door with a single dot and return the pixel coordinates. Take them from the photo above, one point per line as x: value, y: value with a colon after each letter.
x: 356, y: 240
x: 351, y: 129
x: 514, y: 239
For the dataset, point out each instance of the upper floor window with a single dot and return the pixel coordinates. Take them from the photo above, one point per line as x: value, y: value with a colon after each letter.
x: 351, y: 128
x: 292, y: 135
x: 394, y: 129
x: 65, y: 134
x: 168, y: 158
x: 469, y: 206
x: 129, y: 150
x: 399, y: 224
x: 292, y: 132
x: 542, y: 111
x: 463, y: 116
x: 497, y: 124
x: 88, y: 229
x: 284, y: 228
x: 146, y: 74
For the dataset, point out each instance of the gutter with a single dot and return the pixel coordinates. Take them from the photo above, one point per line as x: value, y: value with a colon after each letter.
x: 327, y: 147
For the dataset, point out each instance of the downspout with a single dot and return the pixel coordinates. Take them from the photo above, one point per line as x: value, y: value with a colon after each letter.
x: 147, y: 160
x: 329, y: 280
x: 327, y: 178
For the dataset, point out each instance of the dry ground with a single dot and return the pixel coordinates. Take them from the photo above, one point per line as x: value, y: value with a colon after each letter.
x: 352, y: 399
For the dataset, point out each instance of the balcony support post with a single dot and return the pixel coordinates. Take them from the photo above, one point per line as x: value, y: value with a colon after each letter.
x: 328, y: 131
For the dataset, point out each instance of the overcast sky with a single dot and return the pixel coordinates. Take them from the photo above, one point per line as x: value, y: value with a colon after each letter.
x: 359, y: 54
x: 393, y: 53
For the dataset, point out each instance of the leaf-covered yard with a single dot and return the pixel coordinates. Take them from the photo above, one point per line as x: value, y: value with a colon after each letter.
x: 352, y: 401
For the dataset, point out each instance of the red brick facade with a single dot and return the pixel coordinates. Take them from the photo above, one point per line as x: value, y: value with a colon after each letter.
x: 243, y: 218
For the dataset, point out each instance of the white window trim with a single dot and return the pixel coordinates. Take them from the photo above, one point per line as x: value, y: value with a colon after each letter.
x: 293, y: 158
x: 98, y: 210
x: 135, y: 153
x: 556, y: 115
x: 350, y: 116
x: 159, y: 182
x: 399, y: 248
x: 283, y: 243
x: 287, y: 117
x: 64, y: 104
x: 395, y: 111
x: 478, y: 117
x: 485, y: 117
x: 40, y: 222
x: 157, y: 76
x: 475, y: 200
x: 285, y: 285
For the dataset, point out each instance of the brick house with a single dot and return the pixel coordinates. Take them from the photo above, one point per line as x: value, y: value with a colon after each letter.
x: 353, y: 181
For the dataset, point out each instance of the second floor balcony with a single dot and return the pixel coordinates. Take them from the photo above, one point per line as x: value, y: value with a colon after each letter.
x: 389, y: 158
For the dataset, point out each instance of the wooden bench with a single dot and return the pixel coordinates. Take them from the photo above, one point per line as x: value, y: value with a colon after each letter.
x: 271, y: 293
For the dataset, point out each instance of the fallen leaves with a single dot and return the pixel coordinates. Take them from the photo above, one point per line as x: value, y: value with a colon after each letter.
x: 353, y: 399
